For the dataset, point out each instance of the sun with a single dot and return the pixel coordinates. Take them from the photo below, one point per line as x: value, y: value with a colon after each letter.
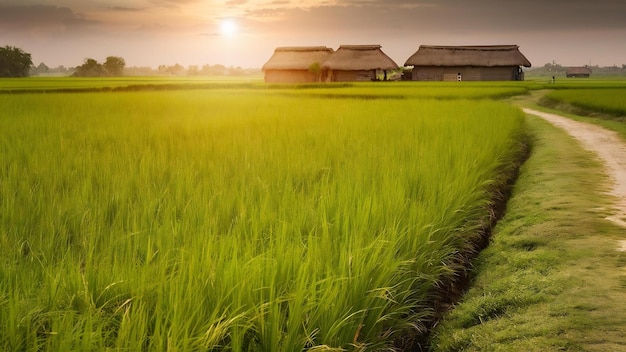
x: 228, y: 27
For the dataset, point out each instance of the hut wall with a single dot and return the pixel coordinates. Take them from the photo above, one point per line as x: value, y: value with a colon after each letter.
x: 468, y: 73
x: 289, y: 76
x: 352, y: 76
x: 578, y: 75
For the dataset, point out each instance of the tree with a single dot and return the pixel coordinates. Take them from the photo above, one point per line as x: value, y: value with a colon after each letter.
x: 216, y: 70
x: 42, y: 68
x: 114, y: 66
x: 192, y: 70
x: 91, y: 68
x: 39, y: 70
x: 316, y: 70
x: 176, y: 70
x: 14, y: 62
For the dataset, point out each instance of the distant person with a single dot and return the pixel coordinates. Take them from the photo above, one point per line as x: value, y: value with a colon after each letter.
x: 553, y: 79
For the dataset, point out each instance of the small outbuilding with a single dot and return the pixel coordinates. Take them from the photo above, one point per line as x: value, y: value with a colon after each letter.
x: 358, y: 63
x: 297, y: 64
x: 579, y: 72
x: 468, y: 63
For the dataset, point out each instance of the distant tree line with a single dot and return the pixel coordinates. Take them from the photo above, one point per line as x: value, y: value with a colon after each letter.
x: 43, y: 70
x: 192, y: 70
x: 555, y: 69
x: 14, y: 62
x: 112, y: 67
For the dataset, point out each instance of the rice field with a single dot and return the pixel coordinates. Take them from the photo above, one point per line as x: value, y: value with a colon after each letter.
x: 238, y: 220
x: 370, y: 90
x: 610, y: 101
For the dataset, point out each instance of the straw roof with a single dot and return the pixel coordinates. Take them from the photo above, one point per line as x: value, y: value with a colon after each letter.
x: 359, y: 57
x: 480, y: 55
x: 297, y: 57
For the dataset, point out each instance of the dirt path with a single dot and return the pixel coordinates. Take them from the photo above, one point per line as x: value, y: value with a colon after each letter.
x: 611, y: 150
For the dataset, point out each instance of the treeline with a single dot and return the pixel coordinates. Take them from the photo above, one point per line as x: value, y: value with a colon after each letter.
x: 14, y: 62
x: 163, y: 70
x: 112, y: 67
x: 43, y: 70
x: 555, y: 69
x: 192, y: 70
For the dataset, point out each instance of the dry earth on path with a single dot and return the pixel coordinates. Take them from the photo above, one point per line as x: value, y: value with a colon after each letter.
x: 609, y: 148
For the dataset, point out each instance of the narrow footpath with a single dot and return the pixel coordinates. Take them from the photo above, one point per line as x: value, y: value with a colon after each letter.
x: 609, y: 148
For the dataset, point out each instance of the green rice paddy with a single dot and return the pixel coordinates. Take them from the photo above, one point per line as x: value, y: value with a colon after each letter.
x: 241, y: 219
x: 611, y: 101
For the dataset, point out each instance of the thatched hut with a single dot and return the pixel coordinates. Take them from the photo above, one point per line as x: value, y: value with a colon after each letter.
x: 299, y: 64
x: 579, y: 72
x: 358, y: 63
x: 468, y: 63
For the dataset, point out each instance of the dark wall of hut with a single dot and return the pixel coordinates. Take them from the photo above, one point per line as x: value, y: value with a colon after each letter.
x: 466, y: 73
x: 577, y: 75
x: 290, y: 76
x: 352, y: 76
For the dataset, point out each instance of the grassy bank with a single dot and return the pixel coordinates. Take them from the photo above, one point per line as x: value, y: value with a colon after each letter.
x: 552, y: 278
x: 610, y: 102
x: 606, y: 111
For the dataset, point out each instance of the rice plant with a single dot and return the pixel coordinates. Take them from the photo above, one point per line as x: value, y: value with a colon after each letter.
x: 610, y: 101
x: 218, y: 220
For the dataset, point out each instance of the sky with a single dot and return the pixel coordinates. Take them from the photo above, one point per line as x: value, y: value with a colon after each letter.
x: 245, y: 32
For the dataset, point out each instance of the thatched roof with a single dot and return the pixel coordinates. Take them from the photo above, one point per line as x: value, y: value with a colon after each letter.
x: 479, y: 55
x: 359, y: 57
x: 578, y: 71
x: 297, y: 57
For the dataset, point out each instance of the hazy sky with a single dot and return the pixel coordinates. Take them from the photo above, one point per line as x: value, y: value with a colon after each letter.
x: 192, y: 32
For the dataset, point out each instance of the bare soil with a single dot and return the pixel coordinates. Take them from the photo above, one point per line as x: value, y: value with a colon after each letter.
x: 610, y: 149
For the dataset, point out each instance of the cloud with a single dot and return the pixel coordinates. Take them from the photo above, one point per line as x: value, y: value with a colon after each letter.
x: 144, y: 26
x: 445, y: 16
x: 231, y: 3
x: 128, y: 9
x: 174, y: 2
x: 41, y: 18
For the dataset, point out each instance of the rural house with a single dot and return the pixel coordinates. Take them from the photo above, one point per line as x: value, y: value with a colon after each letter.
x: 358, y: 63
x: 300, y: 64
x: 580, y: 72
x: 467, y: 63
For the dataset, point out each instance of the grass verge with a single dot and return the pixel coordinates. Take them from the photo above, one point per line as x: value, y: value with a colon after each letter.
x: 552, y: 278
x: 611, y: 122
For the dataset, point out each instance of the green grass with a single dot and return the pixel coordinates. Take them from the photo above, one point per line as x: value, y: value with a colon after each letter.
x: 408, y: 90
x: 128, y: 244
x: 609, y: 122
x: 224, y: 220
x: 552, y: 278
x: 367, y: 90
x: 83, y: 83
x: 604, y: 101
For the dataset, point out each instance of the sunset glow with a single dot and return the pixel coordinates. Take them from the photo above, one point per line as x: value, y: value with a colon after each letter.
x: 150, y: 32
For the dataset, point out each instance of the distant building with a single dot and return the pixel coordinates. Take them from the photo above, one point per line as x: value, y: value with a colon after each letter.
x: 580, y: 72
x: 300, y: 64
x: 467, y: 63
x: 358, y: 63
